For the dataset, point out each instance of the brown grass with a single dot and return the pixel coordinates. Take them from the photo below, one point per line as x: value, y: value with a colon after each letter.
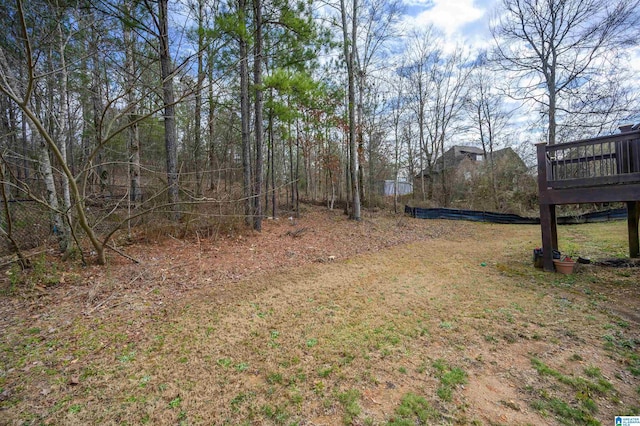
x: 271, y: 329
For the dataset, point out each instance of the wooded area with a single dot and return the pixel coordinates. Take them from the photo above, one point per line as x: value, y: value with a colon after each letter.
x: 115, y: 113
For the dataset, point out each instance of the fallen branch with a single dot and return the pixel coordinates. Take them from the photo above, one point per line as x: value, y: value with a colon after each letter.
x: 90, y: 311
x: 15, y: 258
x: 123, y: 254
x: 297, y: 233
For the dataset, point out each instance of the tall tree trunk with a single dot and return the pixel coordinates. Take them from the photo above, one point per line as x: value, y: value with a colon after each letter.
x: 348, y: 46
x: 96, y: 109
x: 297, y: 187
x: 7, y: 127
x: 46, y: 171
x: 7, y: 227
x: 64, y: 140
x: 133, y: 133
x: 292, y: 177
x: 274, y: 193
x: 259, y: 137
x: 347, y: 174
x: 396, y: 152
x: 170, y: 136
x: 552, y: 113
x: 46, y: 168
x: 267, y: 174
x: 86, y: 125
x: 274, y: 190
x: 245, y: 116
x: 423, y: 146
x: 197, y: 141
x: 25, y: 149
x: 371, y: 147
x: 65, y: 135
x: 211, y: 124
x: 364, y: 196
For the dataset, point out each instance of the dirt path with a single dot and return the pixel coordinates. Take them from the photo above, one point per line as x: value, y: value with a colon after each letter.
x: 337, y: 340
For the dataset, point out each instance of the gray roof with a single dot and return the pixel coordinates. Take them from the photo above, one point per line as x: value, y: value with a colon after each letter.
x: 454, y: 155
x: 463, y: 149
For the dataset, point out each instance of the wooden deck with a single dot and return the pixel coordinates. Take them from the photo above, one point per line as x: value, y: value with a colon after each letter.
x: 598, y: 170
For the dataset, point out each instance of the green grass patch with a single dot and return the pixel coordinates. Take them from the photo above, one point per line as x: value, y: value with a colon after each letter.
x: 450, y: 377
x: 626, y: 348
x: 240, y: 399
x: 413, y: 410
x: 127, y: 356
x: 564, y: 413
x: 325, y: 372
x: 582, y: 411
x: 599, y: 385
x: 350, y: 402
x: 277, y: 414
x: 274, y: 378
x: 224, y: 362
x: 75, y: 408
x: 175, y: 403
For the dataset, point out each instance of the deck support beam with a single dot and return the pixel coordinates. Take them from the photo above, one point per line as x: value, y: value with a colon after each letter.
x: 633, y: 218
x: 549, y: 227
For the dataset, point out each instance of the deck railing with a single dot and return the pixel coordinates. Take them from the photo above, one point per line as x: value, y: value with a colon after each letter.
x: 599, y: 161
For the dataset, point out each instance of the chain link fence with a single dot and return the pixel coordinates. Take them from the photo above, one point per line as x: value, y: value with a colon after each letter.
x: 28, y: 224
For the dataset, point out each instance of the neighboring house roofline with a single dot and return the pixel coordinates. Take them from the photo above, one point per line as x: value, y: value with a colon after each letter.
x: 452, y: 157
x: 457, y: 153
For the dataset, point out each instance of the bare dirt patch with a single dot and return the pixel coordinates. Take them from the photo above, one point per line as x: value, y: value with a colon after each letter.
x: 324, y: 321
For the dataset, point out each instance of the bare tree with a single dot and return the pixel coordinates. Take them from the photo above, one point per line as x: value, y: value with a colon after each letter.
x: 420, y: 57
x: 64, y: 121
x: 397, y: 106
x: 449, y: 77
x: 197, y: 138
x: 349, y: 37
x: 258, y: 105
x: 563, y: 46
x: 21, y: 92
x: 245, y: 113
x: 166, y: 67
x: 135, y: 188
x: 376, y: 22
x: 115, y: 105
x: 439, y: 82
x: 485, y: 108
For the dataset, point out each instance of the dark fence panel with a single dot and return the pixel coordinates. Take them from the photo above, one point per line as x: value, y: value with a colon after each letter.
x: 31, y: 225
x: 507, y: 218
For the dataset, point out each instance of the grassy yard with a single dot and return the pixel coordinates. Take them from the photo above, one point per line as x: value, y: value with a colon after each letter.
x: 457, y: 328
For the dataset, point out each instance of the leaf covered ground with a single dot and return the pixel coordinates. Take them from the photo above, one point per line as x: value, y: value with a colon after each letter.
x: 322, y: 321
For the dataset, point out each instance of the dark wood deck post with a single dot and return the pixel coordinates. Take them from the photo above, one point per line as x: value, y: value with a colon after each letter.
x: 633, y: 218
x: 548, y: 222
x: 549, y: 229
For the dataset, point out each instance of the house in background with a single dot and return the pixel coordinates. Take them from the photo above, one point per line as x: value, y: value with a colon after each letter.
x: 456, y: 155
x: 463, y: 176
x: 467, y: 160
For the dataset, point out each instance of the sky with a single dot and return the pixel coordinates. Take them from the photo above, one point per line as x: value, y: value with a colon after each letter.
x: 465, y: 21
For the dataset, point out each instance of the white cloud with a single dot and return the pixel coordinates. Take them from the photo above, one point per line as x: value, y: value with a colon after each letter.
x: 447, y: 15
